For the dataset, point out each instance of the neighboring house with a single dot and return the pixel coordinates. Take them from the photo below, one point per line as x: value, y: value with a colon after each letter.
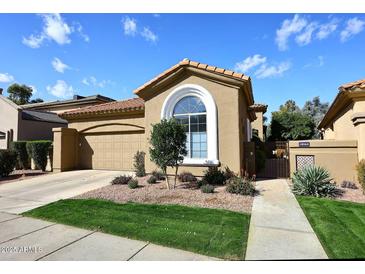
x: 76, y: 102
x: 343, y: 130
x: 211, y: 101
x: 36, y: 121
x: 258, y: 124
x: 345, y: 119
x: 17, y: 123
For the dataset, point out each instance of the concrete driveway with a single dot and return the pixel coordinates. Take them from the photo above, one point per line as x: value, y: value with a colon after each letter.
x: 21, y: 196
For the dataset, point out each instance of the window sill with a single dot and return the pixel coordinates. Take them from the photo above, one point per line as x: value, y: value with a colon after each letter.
x: 199, y: 162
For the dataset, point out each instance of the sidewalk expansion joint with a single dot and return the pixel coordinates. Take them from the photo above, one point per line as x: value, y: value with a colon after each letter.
x: 285, y: 229
x: 66, y: 245
x: 138, y: 251
x: 27, y: 233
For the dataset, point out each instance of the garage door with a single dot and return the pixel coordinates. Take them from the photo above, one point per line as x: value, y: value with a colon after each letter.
x: 110, y: 151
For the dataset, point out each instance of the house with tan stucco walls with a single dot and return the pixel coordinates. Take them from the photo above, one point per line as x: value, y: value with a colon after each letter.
x: 35, y: 121
x: 213, y: 103
x: 343, y: 132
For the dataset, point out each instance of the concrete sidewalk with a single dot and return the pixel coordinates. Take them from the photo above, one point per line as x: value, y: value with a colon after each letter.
x: 279, y: 229
x: 23, y: 239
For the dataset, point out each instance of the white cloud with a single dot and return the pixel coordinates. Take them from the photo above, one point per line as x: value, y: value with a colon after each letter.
x: 263, y: 67
x: 266, y: 71
x: 80, y: 30
x: 319, y: 62
x: 326, y: 29
x: 288, y: 28
x: 250, y: 62
x: 305, y: 37
x: 54, y: 29
x: 61, y: 89
x: 353, y: 27
x: 148, y: 35
x: 59, y: 66
x: 129, y: 26
x: 92, y: 81
x: 34, y: 41
x: 6, y: 78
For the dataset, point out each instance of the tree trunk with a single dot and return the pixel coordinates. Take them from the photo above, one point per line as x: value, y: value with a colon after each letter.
x: 166, y: 179
x: 176, y: 169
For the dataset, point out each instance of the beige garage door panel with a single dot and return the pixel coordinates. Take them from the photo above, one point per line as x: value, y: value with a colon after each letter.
x: 110, y: 151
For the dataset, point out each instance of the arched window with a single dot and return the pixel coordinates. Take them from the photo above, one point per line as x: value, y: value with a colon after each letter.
x: 190, y: 111
x: 194, y: 107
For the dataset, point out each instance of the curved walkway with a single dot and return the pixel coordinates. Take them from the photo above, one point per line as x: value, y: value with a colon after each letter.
x: 279, y: 229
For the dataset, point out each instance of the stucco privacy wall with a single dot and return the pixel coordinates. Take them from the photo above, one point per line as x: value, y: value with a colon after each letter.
x: 65, y: 149
x: 338, y: 157
x: 226, y: 98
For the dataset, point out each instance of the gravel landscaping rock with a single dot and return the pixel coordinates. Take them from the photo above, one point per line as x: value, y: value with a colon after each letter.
x: 185, y: 194
x: 352, y: 195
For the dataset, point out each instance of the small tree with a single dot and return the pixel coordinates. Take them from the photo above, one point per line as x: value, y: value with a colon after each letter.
x: 168, y: 146
x: 19, y: 94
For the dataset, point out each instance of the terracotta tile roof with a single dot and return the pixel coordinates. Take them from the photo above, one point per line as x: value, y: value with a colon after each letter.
x: 188, y: 63
x: 258, y: 107
x: 117, y: 106
x: 353, y: 85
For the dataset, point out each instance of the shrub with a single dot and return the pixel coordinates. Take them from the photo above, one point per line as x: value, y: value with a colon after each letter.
x: 242, y: 186
x: 228, y: 174
x: 200, y: 183
x: 39, y: 151
x: 152, y: 180
x: 20, y: 148
x: 132, y: 184
x: 139, y: 167
x: 214, y: 176
x: 187, y: 177
x: 349, y: 184
x: 158, y: 174
x: 8, y: 160
x: 207, y: 188
x: 121, y: 180
x: 313, y: 181
x: 361, y: 174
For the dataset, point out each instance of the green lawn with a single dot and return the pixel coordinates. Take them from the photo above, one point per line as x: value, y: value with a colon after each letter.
x: 212, y: 232
x: 339, y: 225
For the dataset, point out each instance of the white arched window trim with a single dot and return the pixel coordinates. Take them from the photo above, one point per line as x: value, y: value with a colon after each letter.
x: 212, y: 140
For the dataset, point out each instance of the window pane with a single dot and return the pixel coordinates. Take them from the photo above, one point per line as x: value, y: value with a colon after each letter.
x: 203, y: 154
x: 189, y: 104
x: 202, y: 119
x: 203, y: 146
x: 194, y: 128
x: 196, y: 146
x: 194, y: 119
x: 195, y: 137
x: 203, y: 137
x: 202, y: 127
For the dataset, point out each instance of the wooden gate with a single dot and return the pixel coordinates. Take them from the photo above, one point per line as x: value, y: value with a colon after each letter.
x: 277, y: 160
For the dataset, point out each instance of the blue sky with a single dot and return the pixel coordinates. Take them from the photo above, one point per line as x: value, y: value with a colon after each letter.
x: 288, y: 56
